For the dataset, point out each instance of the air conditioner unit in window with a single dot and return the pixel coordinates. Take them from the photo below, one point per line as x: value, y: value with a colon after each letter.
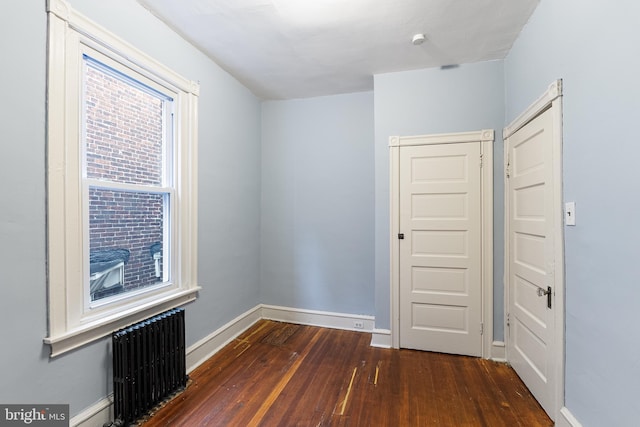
x: 107, y: 272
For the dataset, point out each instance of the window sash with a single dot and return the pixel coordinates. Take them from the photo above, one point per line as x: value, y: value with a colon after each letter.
x: 168, y: 236
x: 92, y: 57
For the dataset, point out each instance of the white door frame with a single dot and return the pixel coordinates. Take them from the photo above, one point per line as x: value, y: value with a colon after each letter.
x: 550, y: 99
x: 485, y: 138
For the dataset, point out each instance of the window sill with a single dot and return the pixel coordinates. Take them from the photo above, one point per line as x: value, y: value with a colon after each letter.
x: 85, y: 334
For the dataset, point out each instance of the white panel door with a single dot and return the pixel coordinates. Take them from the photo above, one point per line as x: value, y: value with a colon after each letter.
x: 531, y: 319
x: 440, y: 255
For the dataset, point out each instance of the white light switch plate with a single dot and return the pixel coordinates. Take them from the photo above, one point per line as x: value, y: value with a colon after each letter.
x: 570, y: 213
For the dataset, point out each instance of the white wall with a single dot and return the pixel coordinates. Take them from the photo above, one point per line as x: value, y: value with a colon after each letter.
x: 317, y: 203
x: 593, y: 47
x: 229, y: 196
x: 468, y: 98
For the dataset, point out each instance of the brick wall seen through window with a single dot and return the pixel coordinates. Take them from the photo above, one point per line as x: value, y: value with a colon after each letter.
x: 124, y: 136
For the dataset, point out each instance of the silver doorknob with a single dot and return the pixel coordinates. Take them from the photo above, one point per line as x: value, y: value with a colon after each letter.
x: 542, y: 292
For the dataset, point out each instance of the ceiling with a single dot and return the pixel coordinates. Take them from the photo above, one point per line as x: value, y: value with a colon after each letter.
x: 284, y: 49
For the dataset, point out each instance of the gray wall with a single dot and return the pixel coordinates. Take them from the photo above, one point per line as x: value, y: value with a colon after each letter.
x: 467, y: 98
x: 317, y: 203
x: 593, y: 47
x: 229, y: 198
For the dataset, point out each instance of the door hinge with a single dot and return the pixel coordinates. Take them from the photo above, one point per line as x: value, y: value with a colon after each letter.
x: 507, y: 167
x: 481, y: 328
x: 508, y: 321
x: 481, y: 160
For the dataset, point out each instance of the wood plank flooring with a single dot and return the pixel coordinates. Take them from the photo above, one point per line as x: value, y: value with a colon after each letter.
x: 279, y: 374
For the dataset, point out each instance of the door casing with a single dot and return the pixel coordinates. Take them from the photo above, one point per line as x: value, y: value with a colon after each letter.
x: 485, y: 138
x: 550, y: 99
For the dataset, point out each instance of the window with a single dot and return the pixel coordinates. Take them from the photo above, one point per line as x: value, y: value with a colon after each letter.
x: 127, y: 141
x: 122, y: 188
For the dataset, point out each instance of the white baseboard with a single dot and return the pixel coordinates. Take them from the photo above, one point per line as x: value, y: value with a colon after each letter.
x: 102, y: 411
x: 498, y: 352
x: 202, y: 350
x: 566, y: 419
x: 323, y: 319
x: 95, y: 415
x: 381, y: 338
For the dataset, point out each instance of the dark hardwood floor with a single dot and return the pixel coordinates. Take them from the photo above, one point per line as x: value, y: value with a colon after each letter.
x: 279, y: 374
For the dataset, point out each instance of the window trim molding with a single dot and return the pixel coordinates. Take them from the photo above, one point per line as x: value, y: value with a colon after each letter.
x: 69, y: 327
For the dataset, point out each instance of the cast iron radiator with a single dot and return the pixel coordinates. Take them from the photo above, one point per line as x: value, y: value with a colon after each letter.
x: 149, y: 365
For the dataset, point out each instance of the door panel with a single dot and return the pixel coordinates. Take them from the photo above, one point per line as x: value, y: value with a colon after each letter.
x: 439, y: 206
x: 444, y: 318
x: 440, y: 258
x: 530, y: 222
x: 440, y: 280
x: 439, y: 243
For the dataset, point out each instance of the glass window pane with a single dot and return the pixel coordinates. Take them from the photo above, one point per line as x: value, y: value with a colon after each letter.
x: 124, y: 128
x: 126, y: 241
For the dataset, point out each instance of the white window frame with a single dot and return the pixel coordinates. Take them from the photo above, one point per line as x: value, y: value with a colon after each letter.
x: 73, y: 323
